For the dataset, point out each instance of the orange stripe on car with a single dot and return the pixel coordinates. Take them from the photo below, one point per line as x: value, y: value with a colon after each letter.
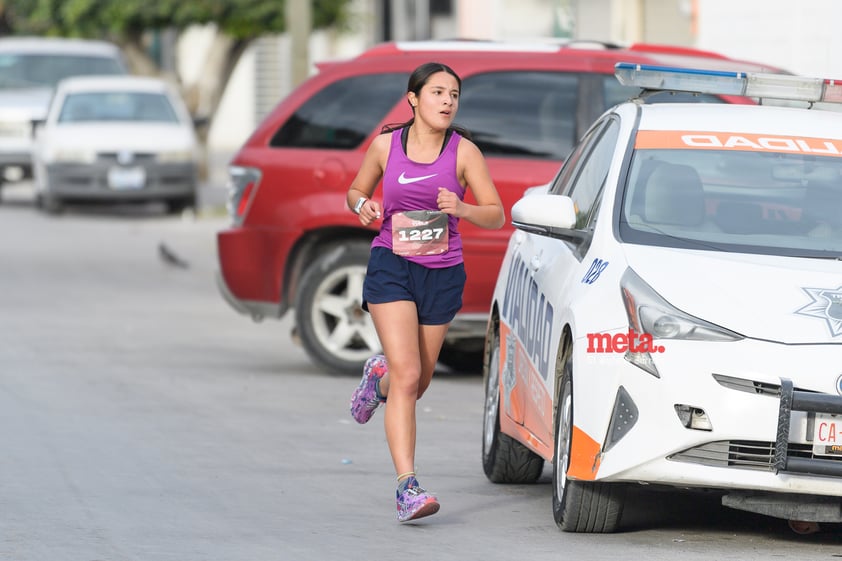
x: 745, y: 142
x: 584, y: 456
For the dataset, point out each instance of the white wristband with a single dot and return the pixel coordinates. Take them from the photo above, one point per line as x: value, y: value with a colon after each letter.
x: 359, y: 206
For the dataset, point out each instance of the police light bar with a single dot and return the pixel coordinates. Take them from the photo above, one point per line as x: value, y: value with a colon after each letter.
x: 749, y: 84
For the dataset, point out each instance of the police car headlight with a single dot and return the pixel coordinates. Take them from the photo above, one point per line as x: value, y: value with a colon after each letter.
x: 665, y: 326
x: 650, y: 314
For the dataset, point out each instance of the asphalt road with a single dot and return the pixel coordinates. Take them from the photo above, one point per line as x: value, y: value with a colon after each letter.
x: 142, y: 419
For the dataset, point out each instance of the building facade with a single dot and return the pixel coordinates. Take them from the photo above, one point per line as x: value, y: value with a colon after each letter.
x: 793, y: 35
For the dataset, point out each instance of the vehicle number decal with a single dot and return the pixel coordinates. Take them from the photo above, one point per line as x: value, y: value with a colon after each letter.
x: 596, y: 269
x: 419, y: 232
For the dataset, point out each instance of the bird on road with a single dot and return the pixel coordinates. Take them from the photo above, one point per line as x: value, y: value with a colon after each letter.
x: 169, y: 257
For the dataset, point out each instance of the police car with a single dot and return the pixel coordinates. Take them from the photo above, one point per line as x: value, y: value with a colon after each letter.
x: 669, y: 308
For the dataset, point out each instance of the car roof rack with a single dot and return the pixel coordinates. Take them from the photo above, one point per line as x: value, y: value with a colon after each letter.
x: 749, y: 84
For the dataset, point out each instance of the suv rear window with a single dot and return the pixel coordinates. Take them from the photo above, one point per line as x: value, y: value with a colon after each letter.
x: 343, y: 114
x: 529, y: 114
x: 510, y: 114
x: 540, y: 115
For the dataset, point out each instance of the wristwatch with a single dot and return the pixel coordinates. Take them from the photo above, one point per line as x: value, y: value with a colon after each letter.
x: 359, y: 206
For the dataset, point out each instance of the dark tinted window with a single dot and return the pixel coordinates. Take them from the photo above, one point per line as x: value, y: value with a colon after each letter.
x: 583, y: 174
x: 343, y: 114
x: 564, y: 180
x: 28, y: 71
x: 529, y: 114
x: 591, y: 177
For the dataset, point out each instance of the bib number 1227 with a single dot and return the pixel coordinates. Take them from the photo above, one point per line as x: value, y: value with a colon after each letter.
x: 419, y: 232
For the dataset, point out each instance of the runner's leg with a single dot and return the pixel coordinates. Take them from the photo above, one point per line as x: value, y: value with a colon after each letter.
x: 398, y: 330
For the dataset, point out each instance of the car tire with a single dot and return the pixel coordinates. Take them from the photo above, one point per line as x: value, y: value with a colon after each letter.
x: 178, y: 206
x: 334, y: 329
x: 50, y: 203
x: 455, y: 357
x: 504, y: 459
x: 579, y: 506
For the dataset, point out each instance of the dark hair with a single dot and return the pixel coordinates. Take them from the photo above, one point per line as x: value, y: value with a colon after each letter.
x: 417, y: 80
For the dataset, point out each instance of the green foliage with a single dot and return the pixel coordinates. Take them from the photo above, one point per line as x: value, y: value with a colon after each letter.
x: 241, y: 19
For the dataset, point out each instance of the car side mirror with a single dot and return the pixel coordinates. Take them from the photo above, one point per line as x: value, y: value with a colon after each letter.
x: 548, y: 215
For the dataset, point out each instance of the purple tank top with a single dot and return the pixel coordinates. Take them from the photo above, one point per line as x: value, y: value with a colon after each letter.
x: 409, y: 185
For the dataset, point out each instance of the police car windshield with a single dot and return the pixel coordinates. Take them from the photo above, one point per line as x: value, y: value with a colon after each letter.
x: 747, y: 200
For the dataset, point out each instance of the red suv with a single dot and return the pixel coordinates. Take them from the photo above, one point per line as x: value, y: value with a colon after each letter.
x: 294, y: 244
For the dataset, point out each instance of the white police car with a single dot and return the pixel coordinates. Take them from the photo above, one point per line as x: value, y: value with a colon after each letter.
x: 669, y: 309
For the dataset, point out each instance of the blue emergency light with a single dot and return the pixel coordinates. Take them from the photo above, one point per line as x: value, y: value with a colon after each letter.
x: 749, y: 84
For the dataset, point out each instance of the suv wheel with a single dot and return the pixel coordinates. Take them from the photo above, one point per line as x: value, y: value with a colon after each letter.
x: 335, y: 331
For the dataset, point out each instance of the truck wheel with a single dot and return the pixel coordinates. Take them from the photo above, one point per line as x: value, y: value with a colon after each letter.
x: 504, y: 459
x: 335, y: 331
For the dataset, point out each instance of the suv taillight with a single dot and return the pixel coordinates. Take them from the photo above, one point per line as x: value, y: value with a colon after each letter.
x: 242, y: 184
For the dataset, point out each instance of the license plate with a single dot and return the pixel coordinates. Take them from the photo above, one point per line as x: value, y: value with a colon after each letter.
x: 126, y: 178
x: 827, y: 435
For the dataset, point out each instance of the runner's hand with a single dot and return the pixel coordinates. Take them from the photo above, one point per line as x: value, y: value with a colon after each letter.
x: 449, y: 203
x: 370, y: 212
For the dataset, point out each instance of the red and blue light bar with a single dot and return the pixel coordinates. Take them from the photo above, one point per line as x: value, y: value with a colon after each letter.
x: 749, y: 84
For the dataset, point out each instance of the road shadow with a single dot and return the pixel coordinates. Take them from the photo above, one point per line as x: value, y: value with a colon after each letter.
x: 649, y: 508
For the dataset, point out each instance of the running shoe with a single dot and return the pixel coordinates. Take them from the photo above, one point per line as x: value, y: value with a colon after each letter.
x: 364, y: 400
x: 414, y: 502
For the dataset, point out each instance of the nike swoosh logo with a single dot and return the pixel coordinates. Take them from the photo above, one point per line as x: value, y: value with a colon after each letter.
x: 404, y: 180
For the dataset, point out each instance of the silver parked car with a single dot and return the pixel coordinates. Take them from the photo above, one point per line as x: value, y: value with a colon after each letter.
x: 116, y: 139
x: 30, y: 69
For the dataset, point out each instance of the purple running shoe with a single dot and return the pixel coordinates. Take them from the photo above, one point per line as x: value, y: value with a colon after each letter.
x: 414, y: 502
x: 364, y: 400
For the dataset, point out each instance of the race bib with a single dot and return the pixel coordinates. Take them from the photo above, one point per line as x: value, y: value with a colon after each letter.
x: 419, y: 232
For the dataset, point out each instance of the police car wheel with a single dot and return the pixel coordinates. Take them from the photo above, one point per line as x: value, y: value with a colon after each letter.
x: 579, y: 506
x: 504, y: 459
